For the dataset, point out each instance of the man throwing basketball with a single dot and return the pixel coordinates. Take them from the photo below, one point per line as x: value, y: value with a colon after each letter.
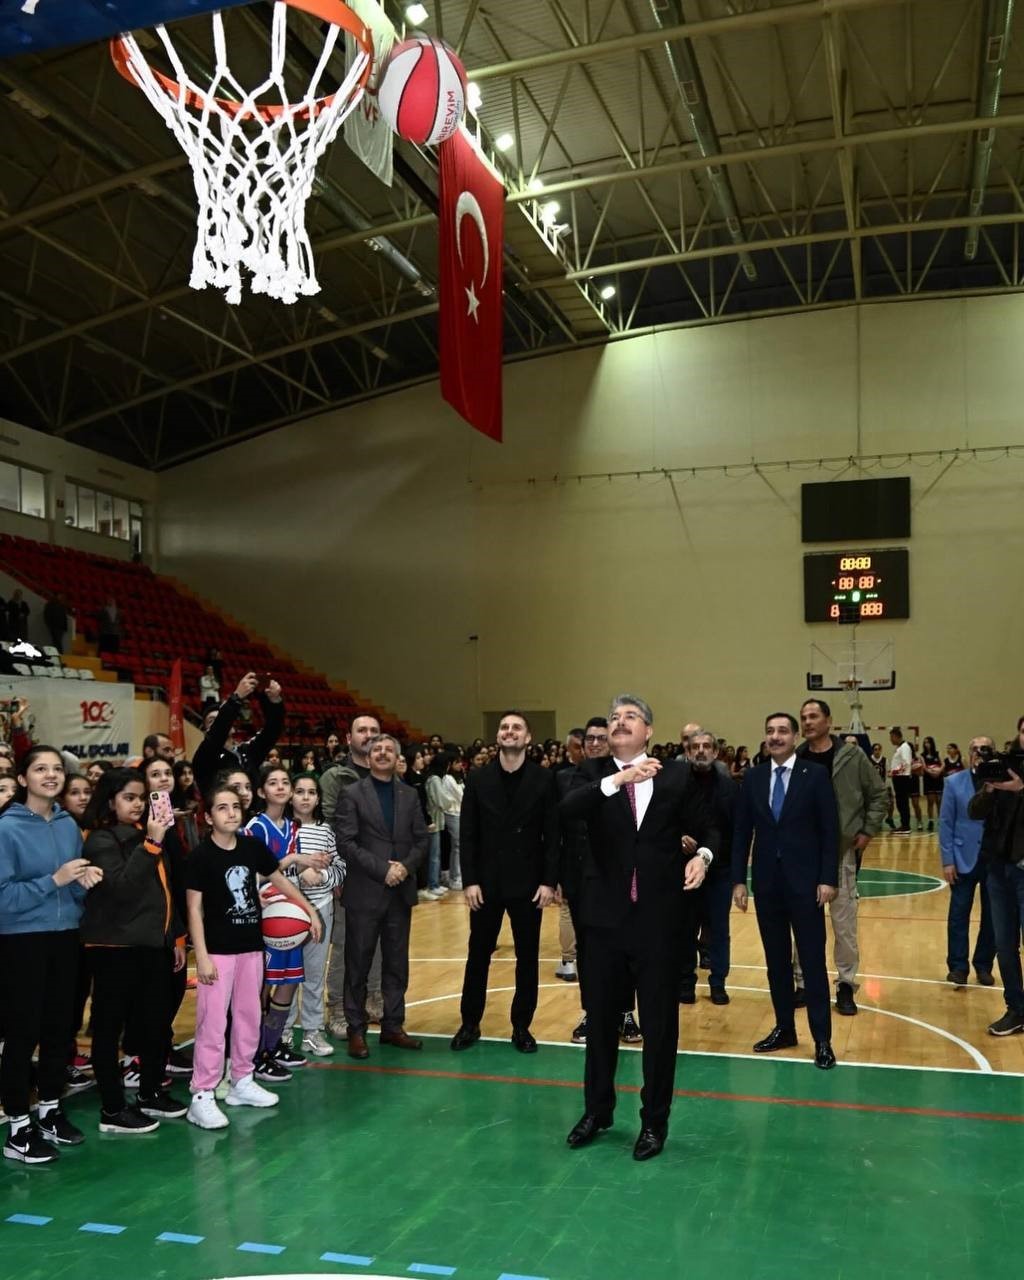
x: 632, y: 909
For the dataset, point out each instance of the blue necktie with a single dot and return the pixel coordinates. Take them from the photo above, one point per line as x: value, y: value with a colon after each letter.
x: 779, y: 792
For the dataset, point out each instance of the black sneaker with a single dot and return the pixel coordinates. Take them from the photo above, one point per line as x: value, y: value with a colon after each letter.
x: 271, y: 1072
x: 178, y: 1063
x: 161, y: 1105
x: 958, y: 977
x: 29, y: 1147
x: 845, y: 1003
x: 285, y: 1056
x: 128, y: 1120
x: 629, y: 1032
x: 579, y: 1034
x: 688, y: 995
x: 719, y: 995
x: 58, y: 1129
x: 75, y: 1080
x: 1008, y: 1025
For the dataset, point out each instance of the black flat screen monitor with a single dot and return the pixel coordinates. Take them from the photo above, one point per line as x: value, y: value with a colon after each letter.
x: 855, y: 510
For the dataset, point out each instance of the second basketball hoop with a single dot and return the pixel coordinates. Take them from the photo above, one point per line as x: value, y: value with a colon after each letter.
x: 253, y: 152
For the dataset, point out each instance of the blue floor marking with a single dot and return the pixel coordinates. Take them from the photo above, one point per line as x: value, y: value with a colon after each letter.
x: 350, y: 1259
x: 102, y: 1228
x: 250, y: 1247
x: 426, y: 1269
x: 28, y: 1219
x: 510, y: 1275
x: 176, y: 1237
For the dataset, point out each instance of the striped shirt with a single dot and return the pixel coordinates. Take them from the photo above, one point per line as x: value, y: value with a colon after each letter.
x: 317, y: 837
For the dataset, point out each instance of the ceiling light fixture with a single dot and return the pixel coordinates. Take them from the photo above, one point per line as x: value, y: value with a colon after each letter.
x: 608, y: 292
x: 549, y: 211
x: 474, y: 97
x: 416, y: 14
x: 504, y: 142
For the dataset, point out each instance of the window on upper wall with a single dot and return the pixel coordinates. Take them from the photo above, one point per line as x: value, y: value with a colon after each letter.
x: 23, y: 490
x: 99, y: 512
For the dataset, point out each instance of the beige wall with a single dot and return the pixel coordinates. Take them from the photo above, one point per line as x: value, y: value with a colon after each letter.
x: 61, y: 461
x: 375, y: 541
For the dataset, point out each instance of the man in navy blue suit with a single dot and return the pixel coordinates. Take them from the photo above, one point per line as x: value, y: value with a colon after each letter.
x: 788, y: 807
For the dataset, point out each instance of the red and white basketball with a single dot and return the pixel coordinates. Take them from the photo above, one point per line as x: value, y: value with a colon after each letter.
x: 422, y: 93
x: 285, y: 924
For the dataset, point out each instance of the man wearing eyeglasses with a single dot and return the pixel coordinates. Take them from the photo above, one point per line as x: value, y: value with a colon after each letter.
x: 632, y: 913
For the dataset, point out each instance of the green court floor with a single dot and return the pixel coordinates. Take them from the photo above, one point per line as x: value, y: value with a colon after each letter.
x: 437, y: 1164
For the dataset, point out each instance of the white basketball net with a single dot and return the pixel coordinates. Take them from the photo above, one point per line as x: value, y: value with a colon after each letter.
x: 252, y: 175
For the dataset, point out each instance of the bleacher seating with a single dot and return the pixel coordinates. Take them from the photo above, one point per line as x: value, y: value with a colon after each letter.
x: 160, y: 623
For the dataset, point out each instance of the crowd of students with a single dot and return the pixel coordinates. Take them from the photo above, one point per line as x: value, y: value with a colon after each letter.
x: 102, y: 887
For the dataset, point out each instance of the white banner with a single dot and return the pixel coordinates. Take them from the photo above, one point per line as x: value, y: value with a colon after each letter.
x: 90, y: 718
x: 366, y: 132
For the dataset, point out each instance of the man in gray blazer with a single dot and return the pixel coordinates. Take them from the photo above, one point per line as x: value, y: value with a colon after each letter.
x: 382, y: 836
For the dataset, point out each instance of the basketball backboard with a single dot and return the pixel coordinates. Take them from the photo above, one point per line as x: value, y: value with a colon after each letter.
x: 30, y: 26
x: 849, y: 665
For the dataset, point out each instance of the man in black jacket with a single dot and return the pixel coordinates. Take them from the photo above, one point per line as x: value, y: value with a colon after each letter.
x: 508, y: 833
x: 216, y: 753
x: 632, y: 911
x: 1001, y: 805
x: 712, y: 902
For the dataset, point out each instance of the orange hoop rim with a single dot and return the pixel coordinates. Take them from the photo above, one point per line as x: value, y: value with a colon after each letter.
x: 335, y: 12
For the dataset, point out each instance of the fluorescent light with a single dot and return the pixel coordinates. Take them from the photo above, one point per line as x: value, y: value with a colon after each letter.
x: 503, y: 142
x: 549, y: 211
x: 608, y: 292
x: 536, y: 184
x: 416, y: 14
x: 474, y: 96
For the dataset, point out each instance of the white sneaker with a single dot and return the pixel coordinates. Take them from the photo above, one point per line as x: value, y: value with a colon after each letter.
x: 316, y: 1043
x: 247, y: 1093
x: 338, y: 1027
x: 567, y: 971
x: 441, y: 890
x: 456, y: 885
x: 424, y: 895
x: 204, y: 1112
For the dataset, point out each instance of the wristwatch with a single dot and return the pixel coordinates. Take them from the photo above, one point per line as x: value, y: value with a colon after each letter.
x: 706, y: 856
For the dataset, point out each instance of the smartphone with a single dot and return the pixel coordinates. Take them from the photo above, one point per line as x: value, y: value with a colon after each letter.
x: 161, y: 808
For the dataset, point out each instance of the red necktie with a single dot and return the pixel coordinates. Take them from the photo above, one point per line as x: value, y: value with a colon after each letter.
x: 631, y: 794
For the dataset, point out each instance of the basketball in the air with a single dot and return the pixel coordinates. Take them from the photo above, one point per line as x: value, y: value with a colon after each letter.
x: 285, y: 924
x: 422, y: 93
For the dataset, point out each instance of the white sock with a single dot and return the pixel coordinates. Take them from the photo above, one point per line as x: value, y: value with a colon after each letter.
x: 18, y: 1123
x: 46, y: 1107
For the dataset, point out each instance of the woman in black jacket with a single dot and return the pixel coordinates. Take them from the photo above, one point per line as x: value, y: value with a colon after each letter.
x: 132, y: 931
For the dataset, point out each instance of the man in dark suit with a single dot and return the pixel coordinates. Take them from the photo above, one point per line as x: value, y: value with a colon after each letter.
x: 789, y: 808
x: 508, y: 832
x: 632, y: 914
x: 382, y: 836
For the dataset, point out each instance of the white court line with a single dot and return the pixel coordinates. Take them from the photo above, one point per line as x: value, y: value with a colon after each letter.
x: 983, y: 1064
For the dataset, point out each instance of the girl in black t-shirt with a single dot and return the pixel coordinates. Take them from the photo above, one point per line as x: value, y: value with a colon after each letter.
x: 933, y: 779
x: 225, y: 925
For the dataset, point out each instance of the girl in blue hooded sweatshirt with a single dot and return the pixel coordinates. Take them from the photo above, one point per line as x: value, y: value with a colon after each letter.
x: 43, y: 883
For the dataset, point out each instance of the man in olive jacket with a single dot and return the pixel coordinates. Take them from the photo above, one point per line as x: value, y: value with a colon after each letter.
x: 861, y: 800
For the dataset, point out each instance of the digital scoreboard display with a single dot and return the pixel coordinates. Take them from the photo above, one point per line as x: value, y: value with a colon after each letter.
x: 856, y: 586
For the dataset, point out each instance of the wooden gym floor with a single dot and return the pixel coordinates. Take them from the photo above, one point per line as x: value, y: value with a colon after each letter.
x: 901, y: 1163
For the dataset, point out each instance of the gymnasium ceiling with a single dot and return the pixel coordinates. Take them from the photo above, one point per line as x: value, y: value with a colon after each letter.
x: 710, y: 158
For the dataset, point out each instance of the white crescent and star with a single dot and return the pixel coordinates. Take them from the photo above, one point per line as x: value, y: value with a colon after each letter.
x: 467, y: 206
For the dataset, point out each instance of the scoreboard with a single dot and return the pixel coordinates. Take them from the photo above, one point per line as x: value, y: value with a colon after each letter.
x: 857, y: 586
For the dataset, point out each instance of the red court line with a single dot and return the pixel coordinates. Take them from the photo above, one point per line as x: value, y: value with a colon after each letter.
x: 820, y: 1104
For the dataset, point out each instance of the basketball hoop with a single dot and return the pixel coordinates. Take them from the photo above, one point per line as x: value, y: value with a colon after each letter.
x: 253, y: 164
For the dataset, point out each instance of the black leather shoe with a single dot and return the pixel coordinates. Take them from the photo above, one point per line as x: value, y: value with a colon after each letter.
x: 958, y: 977
x: 523, y: 1041
x: 648, y: 1145
x: 687, y: 996
x: 799, y: 998
x: 823, y: 1055
x: 844, y: 1000
x: 719, y: 995
x: 985, y: 977
x: 586, y: 1130
x: 465, y: 1037
x: 776, y: 1039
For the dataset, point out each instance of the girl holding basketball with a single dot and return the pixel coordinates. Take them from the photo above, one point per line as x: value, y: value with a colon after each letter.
x: 225, y: 925
x: 284, y: 968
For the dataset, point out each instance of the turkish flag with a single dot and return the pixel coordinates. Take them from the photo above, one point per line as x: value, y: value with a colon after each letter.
x: 472, y: 223
x: 177, y: 724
